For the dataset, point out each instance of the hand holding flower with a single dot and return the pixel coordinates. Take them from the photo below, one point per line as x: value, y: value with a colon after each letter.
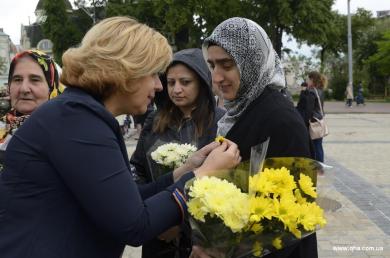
x: 225, y: 156
x: 195, y: 160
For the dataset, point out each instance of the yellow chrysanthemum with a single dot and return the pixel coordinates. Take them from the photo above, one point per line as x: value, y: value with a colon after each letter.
x: 256, y: 228
x: 306, y: 185
x: 287, y: 211
x: 311, y: 215
x: 219, y: 139
x: 272, y: 181
x: 298, y: 196
x: 195, y: 207
x: 262, y: 207
x: 277, y: 243
x: 261, y: 183
x: 217, y: 197
x: 257, y: 249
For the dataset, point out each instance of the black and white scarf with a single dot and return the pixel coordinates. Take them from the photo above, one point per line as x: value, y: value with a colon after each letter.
x: 258, y: 64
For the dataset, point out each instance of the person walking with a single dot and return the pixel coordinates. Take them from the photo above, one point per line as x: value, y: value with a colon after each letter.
x: 349, y: 95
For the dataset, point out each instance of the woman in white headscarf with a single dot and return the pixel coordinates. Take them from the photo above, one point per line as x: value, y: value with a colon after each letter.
x: 248, y: 73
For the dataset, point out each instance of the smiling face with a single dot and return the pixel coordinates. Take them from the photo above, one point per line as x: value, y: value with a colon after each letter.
x: 224, y: 72
x: 29, y: 88
x: 183, y: 87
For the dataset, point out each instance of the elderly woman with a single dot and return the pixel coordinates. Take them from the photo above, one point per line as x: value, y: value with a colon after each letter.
x: 67, y: 186
x: 32, y: 80
x: 247, y: 71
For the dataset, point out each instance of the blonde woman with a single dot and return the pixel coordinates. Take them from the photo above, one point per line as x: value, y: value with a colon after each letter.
x: 67, y: 190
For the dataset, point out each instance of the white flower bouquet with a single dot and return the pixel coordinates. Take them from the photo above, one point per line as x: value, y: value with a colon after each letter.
x: 172, y: 155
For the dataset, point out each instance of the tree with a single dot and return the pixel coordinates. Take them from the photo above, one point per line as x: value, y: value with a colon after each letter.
x: 301, y: 65
x: 382, y: 57
x: 59, y: 28
x: 307, y: 21
x: 186, y: 23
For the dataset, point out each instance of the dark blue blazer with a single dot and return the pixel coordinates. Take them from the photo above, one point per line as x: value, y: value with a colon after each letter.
x: 67, y: 191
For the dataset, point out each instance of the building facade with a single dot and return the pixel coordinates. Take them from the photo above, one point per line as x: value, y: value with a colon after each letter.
x: 7, y: 52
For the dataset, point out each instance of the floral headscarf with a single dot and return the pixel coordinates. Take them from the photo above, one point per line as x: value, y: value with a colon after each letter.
x: 258, y: 64
x: 13, y: 120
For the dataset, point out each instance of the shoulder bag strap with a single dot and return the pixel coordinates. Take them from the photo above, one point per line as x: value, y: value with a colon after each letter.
x: 319, y: 102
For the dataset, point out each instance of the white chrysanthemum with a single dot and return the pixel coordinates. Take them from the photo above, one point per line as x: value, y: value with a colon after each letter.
x: 173, y: 155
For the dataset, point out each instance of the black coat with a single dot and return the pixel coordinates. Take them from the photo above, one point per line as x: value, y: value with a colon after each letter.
x: 66, y: 189
x: 308, y: 105
x: 272, y: 115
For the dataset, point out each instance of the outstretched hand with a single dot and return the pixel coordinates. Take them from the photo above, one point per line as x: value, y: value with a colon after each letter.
x: 195, y: 160
x: 225, y: 156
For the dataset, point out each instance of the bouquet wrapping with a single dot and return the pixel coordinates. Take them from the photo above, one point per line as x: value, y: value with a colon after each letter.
x: 249, y: 213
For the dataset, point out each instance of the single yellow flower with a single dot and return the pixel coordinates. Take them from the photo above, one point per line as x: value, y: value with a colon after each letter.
x: 219, y: 139
x: 311, y: 215
x: 262, y: 207
x: 256, y: 228
x: 257, y: 249
x: 306, y: 185
x: 277, y: 243
x: 298, y: 196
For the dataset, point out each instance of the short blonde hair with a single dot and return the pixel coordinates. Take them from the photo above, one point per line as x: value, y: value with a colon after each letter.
x: 114, y: 52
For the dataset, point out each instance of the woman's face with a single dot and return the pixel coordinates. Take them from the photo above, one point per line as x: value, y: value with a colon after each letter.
x: 136, y: 102
x: 224, y: 71
x: 29, y: 88
x: 183, y: 87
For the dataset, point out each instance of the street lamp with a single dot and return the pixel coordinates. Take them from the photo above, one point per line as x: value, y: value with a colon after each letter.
x: 350, y: 72
x: 95, y: 4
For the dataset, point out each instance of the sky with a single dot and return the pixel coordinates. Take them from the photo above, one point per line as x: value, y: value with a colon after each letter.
x: 13, y: 13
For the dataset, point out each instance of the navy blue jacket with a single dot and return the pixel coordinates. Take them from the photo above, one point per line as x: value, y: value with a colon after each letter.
x: 67, y: 191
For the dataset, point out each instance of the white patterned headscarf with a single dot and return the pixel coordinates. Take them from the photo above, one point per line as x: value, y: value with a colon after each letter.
x: 258, y: 64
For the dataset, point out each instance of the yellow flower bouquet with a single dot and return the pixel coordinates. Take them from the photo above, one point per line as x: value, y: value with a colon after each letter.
x: 277, y: 209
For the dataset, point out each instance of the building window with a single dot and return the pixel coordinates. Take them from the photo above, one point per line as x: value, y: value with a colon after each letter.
x: 45, y: 45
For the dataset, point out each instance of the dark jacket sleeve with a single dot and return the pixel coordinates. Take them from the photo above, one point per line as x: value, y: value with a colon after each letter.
x: 92, y: 167
x: 138, y: 159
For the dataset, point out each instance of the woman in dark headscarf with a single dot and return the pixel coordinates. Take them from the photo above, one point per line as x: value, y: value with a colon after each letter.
x: 247, y: 71
x: 32, y: 80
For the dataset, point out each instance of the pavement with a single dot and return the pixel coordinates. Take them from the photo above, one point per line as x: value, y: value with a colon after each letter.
x: 355, y: 193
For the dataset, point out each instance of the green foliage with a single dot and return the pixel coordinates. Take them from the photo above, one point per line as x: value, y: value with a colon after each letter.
x: 338, y: 78
x: 186, y: 23
x: 301, y: 65
x: 59, y: 28
x: 382, y: 57
x: 306, y: 20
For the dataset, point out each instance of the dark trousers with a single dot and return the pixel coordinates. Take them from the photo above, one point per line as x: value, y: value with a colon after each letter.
x: 319, y: 151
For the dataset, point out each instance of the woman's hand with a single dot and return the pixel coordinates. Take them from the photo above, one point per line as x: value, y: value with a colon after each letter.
x: 195, y: 160
x: 223, y: 157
